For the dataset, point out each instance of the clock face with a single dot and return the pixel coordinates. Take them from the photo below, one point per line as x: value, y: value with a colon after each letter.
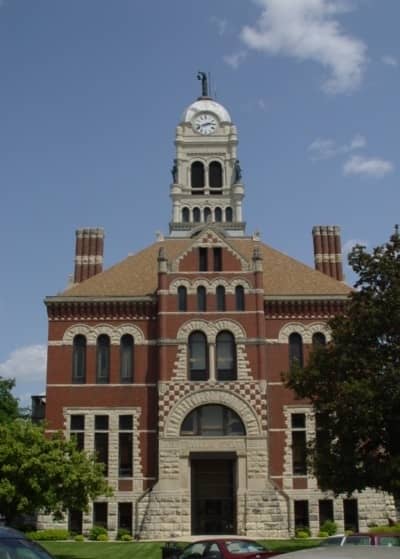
x: 205, y: 123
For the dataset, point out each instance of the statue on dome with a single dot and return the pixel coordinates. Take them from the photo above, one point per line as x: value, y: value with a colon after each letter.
x: 204, y: 83
x: 238, y: 172
x: 174, y: 172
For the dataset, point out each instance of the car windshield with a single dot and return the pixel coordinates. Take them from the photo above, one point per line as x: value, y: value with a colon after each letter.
x: 357, y: 540
x: 333, y: 540
x: 390, y: 541
x: 243, y: 546
x: 14, y: 548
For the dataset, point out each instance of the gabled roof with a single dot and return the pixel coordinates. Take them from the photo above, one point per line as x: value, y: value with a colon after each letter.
x: 136, y: 276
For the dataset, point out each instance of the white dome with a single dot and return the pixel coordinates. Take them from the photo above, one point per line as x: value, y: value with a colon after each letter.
x: 205, y: 105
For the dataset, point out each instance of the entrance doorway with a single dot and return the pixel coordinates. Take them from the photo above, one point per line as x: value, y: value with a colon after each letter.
x: 213, y: 494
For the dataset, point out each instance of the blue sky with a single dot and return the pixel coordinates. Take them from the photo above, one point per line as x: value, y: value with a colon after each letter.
x: 91, y: 92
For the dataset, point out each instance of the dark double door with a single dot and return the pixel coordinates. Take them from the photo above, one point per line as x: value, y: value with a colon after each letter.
x: 213, y: 495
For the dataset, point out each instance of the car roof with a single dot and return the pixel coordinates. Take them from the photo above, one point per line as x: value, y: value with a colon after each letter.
x: 7, y: 532
x: 346, y: 552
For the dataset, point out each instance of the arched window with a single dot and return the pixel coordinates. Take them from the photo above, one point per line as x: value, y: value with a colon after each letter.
x: 207, y: 214
x: 318, y: 339
x: 239, y: 298
x: 182, y: 298
x: 103, y: 359
x: 79, y: 359
x: 185, y: 215
x: 201, y: 298
x: 196, y: 215
x: 197, y: 175
x: 220, y: 298
x: 226, y: 356
x: 198, y: 356
x: 126, y: 358
x: 215, y: 175
x: 295, y: 349
x: 218, y: 214
x: 228, y: 214
x: 212, y: 420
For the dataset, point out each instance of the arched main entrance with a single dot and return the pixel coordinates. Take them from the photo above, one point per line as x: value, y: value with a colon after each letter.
x: 213, y: 475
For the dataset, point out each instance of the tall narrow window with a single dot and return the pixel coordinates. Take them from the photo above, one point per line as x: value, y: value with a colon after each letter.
x: 125, y: 516
x: 100, y: 514
x: 207, y: 214
x: 239, y: 298
x: 350, y: 513
x: 226, y: 356
x: 197, y: 175
x: 295, y: 349
x: 299, y: 444
x: 126, y: 358
x: 201, y: 299
x: 301, y: 515
x: 185, y: 215
x: 101, y: 440
x: 228, y: 214
x: 75, y: 521
x: 198, y: 356
x: 103, y: 359
x: 215, y: 171
x: 318, y: 339
x: 220, y: 298
x: 125, y: 457
x: 77, y: 430
x: 79, y: 359
x: 325, y: 509
x: 182, y: 298
x: 217, y: 253
x: 218, y: 214
x: 196, y: 215
x: 203, y: 259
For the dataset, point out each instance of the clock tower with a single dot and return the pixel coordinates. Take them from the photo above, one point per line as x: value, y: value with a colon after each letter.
x: 206, y: 176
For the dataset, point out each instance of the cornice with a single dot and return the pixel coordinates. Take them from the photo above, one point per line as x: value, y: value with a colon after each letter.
x: 105, y: 308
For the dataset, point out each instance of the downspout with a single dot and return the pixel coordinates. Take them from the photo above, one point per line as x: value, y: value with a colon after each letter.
x: 138, y: 501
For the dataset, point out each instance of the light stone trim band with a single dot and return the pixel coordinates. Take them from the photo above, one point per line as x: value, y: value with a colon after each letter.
x: 92, y: 332
x: 305, y: 330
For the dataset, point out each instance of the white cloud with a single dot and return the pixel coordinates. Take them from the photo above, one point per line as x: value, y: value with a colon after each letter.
x: 25, y: 364
x: 307, y: 30
x: 390, y: 60
x: 367, y: 166
x: 235, y: 59
x: 326, y: 148
x: 221, y: 24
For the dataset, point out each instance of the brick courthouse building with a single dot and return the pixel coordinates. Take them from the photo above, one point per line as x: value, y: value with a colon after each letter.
x: 168, y: 365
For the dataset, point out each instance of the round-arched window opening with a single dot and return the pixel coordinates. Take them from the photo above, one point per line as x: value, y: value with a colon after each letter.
x: 215, y: 175
x: 207, y: 214
x: 213, y: 420
x: 218, y: 214
x: 228, y: 214
x: 196, y: 215
x: 197, y: 175
x: 185, y: 215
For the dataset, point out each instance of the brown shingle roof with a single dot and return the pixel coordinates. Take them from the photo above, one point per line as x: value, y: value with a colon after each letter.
x: 136, y: 276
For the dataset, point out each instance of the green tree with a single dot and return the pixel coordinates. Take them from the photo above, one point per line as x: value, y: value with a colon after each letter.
x: 354, y: 382
x: 44, y: 474
x: 9, y: 405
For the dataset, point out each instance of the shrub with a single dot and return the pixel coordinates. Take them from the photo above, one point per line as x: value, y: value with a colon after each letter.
x: 102, y: 538
x: 322, y: 534
x: 49, y: 535
x: 330, y: 527
x: 97, y: 531
x: 302, y: 534
x: 123, y: 532
x: 395, y: 529
x: 79, y: 538
x: 126, y: 538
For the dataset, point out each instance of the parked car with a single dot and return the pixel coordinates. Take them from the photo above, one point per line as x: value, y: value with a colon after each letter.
x: 15, y: 545
x: 345, y: 552
x: 226, y: 548
x: 390, y: 540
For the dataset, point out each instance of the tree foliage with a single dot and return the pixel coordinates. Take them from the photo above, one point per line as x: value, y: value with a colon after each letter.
x: 46, y: 474
x: 9, y: 405
x: 354, y: 382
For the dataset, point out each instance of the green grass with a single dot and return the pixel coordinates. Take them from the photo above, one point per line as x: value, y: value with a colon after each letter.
x: 142, y: 550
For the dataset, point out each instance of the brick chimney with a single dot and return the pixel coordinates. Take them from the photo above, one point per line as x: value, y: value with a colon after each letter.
x: 88, y: 253
x: 328, y: 250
